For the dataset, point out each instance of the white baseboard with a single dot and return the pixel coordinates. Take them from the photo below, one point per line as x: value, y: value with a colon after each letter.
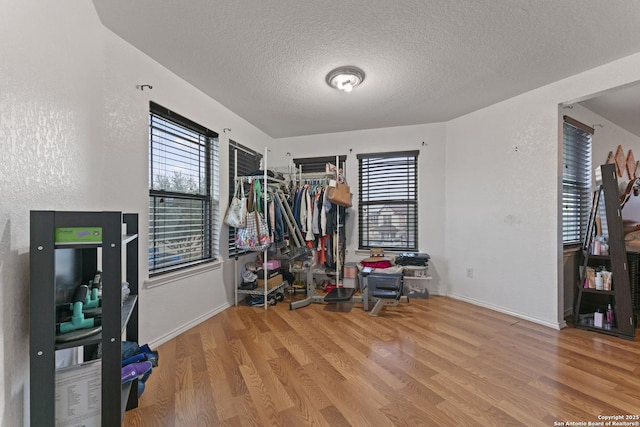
x: 548, y: 324
x: 174, y: 333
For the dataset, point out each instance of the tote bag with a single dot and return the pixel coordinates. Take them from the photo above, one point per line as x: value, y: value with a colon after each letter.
x: 237, y: 210
x: 255, y: 235
x: 340, y: 195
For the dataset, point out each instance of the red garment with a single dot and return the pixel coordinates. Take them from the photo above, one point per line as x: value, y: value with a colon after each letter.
x: 322, y: 258
x: 377, y: 264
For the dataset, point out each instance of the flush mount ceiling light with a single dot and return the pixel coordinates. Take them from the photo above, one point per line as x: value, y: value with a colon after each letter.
x: 345, y: 78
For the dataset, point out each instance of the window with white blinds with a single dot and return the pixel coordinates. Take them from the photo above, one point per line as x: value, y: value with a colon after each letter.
x: 576, y: 179
x: 184, y: 164
x: 248, y: 161
x: 388, y: 200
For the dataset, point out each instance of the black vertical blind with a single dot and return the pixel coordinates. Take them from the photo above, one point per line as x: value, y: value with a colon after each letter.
x: 576, y: 179
x: 388, y: 200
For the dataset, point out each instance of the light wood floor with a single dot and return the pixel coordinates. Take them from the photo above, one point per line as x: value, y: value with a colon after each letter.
x: 434, y: 362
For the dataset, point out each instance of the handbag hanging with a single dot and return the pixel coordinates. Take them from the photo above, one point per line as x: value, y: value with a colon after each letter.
x: 255, y: 235
x: 237, y: 211
x: 340, y: 195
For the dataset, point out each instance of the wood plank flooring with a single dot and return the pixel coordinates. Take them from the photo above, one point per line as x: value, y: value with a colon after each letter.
x: 434, y: 362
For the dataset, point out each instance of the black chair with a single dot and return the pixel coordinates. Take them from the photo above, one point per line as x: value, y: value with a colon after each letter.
x: 384, y: 290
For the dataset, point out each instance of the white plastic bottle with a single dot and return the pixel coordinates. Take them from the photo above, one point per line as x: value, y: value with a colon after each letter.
x: 599, y: 281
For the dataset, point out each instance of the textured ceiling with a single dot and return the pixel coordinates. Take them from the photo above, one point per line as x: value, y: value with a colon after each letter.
x: 425, y: 61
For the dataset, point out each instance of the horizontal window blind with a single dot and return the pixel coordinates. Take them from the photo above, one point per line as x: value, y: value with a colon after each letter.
x: 576, y: 179
x: 215, y: 197
x: 180, y: 191
x: 388, y: 200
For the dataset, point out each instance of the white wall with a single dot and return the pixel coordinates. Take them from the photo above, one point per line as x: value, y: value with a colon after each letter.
x: 50, y: 140
x: 429, y: 139
x: 502, y: 208
x: 73, y: 135
x: 192, y: 298
x: 502, y: 184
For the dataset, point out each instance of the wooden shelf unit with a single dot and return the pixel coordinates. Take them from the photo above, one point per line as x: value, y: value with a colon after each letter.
x: 588, y: 299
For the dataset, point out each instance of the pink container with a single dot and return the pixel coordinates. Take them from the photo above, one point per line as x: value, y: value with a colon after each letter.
x: 350, y: 270
x: 273, y: 264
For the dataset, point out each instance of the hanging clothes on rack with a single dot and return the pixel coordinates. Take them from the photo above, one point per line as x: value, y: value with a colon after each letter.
x: 309, y: 236
x: 303, y: 209
x: 323, y: 207
x: 296, y: 206
x: 279, y: 230
x: 315, y: 224
x: 257, y: 188
x: 317, y: 218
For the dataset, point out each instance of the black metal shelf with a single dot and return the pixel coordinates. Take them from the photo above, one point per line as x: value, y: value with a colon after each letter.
x: 127, y: 309
x: 58, y: 267
x: 88, y: 245
x: 596, y: 291
x: 611, y: 331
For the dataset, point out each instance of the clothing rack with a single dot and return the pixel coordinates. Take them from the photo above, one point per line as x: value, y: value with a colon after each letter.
x: 268, y: 182
x: 338, y: 294
x: 300, y: 177
x: 272, y: 186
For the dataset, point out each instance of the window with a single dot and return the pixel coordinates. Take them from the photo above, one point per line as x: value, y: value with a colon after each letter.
x: 388, y: 200
x: 576, y: 179
x: 183, y: 191
x: 248, y: 161
x: 317, y: 164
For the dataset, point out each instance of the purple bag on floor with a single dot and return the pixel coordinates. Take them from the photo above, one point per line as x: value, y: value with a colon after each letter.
x: 134, y: 370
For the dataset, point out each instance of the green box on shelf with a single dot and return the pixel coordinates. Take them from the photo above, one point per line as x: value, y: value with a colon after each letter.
x: 79, y: 235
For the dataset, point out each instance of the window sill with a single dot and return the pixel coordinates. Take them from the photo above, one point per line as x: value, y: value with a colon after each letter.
x: 567, y: 249
x: 366, y: 252
x: 165, y: 279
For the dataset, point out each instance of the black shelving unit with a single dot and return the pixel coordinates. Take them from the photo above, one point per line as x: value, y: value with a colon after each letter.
x: 56, y: 269
x: 589, y: 299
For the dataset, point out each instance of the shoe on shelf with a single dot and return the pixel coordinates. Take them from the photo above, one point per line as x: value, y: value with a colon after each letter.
x: 244, y: 286
x: 256, y: 301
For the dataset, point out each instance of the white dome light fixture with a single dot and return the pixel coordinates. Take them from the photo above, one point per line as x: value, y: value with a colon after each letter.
x: 345, y: 78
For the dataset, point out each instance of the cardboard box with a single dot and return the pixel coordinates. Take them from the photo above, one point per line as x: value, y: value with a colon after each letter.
x: 270, y: 273
x: 271, y: 283
x: 78, y: 235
